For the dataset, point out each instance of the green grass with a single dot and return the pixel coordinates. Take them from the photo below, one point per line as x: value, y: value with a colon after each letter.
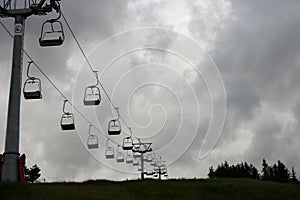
x: 150, y: 189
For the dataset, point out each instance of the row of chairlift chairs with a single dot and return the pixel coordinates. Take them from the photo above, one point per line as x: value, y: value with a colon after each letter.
x: 154, y: 167
x: 52, y: 34
x: 32, y: 90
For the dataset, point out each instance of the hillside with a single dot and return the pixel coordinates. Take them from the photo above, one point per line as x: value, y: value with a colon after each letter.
x: 150, y: 189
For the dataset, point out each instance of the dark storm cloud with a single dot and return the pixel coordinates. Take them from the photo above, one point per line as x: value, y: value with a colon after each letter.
x: 257, y: 54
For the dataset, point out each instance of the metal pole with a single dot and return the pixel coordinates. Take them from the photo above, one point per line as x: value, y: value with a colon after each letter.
x: 159, y: 174
x: 142, y: 166
x: 10, y: 171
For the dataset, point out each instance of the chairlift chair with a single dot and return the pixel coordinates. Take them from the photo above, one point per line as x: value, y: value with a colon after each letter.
x: 136, y: 155
x: 67, y: 120
x: 135, y: 162
x: 92, y: 96
x: 32, y: 88
x: 114, y: 127
x: 92, y: 141
x: 52, y: 33
x: 149, y: 157
x: 129, y: 158
x: 127, y: 143
x: 120, y: 156
x: 136, y: 146
x: 109, y: 151
x: 153, y: 163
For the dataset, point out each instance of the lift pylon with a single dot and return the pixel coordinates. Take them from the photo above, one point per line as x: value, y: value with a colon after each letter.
x: 19, y: 10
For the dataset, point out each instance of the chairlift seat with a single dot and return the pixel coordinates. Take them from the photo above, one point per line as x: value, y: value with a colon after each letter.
x: 68, y: 127
x: 91, y: 102
x: 32, y: 95
x: 51, y: 42
x: 120, y: 157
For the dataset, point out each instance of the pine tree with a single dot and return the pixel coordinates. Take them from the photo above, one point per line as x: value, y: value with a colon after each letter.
x: 211, y: 173
x: 282, y: 174
x: 265, y: 170
x: 32, y: 174
x: 293, y: 177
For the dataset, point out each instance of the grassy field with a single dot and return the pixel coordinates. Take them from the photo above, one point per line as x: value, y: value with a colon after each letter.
x: 150, y: 189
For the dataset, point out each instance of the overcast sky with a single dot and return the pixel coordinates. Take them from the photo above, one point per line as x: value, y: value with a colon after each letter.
x: 205, y: 81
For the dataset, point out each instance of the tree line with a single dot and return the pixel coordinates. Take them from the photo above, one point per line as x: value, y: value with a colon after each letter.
x: 277, y: 172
